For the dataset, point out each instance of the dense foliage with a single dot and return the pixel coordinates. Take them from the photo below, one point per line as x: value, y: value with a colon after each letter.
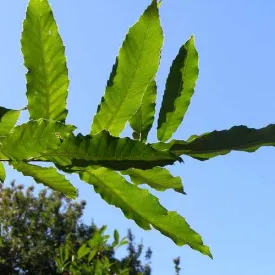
x: 40, y: 233
x: 102, y: 158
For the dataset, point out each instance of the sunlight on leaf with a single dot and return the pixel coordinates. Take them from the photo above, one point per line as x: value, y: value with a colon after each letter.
x: 44, y: 55
x: 179, y: 90
x: 47, y: 176
x: 145, y: 209
x: 135, y: 68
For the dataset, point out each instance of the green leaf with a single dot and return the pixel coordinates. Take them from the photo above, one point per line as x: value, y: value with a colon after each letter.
x: 8, y: 119
x: 143, y: 120
x: 64, y: 253
x: 83, y: 251
x: 209, y: 145
x: 28, y: 141
x: 108, y: 151
x: 2, y: 172
x: 47, y: 176
x: 44, y: 55
x: 116, y: 237
x: 179, y: 90
x: 176, y: 228
x: 157, y: 178
x: 92, y: 255
x: 136, y: 66
x: 139, y: 205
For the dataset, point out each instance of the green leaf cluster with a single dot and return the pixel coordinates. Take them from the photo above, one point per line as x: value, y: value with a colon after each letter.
x: 102, y: 158
x: 92, y: 256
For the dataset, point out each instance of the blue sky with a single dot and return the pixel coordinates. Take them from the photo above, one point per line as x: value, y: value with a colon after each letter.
x: 230, y: 199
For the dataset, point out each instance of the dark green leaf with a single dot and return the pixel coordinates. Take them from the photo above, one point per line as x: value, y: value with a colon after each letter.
x: 44, y: 55
x: 108, y: 151
x: 209, y: 145
x: 47, y: 176
x: 143, y: 120
x: 179, y: 90
x: 136, y: 66
x: 158, y: 178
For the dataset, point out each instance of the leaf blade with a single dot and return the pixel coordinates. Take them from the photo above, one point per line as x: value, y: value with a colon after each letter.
x: 136, y: 66
x: 2, y: 172
x: 44, y: 56
x: 83, y: 251
x: 8, y: 119
x: 142, y: 207
x: 209, y: 145
x: 141, y: 122
x: 108, y: 151
x: 157, y: 178
x: 179, y: 90
x: 31, y: 139
x: 48, y: 176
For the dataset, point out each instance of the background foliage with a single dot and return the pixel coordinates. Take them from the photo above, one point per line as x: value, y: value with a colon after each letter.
x: 36, y: 226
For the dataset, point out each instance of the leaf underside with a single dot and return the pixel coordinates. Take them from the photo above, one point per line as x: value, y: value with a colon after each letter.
x: 8, y: 119
x: 47, y: 176
x: 141, y: 122
x: 108, y: 151
x: 139, y: 205
x: 157, y: 178
x: 179, y: 90
x: 44, y: 55
x: 216, y: 143
x: 29, y: 140
x: 135, y: 68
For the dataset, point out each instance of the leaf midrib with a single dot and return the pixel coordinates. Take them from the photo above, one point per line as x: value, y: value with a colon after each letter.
x: 41, y: 50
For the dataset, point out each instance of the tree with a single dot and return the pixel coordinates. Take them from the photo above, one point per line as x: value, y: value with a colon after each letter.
x: 177, y: 265
x: 33, y: 228
x: 92, y: 257
x: 102, y: 158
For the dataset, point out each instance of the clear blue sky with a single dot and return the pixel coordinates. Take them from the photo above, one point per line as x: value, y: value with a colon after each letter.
x: 230, y: 199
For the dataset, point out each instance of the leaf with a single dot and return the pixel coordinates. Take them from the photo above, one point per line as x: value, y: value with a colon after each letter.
x: 157, y: 178
x: 123, y: 242
x: 64, y: 253
x: 83, y: 251
x: 143, y: 120
x: 92, y: 255
x: 209, y: 145
x: 176, y: 228
x: 179, y: 90
x: 2, y: 172
x: 8, y: 119
x: 44, y: 55
x: 135, y: 68
x: 30, y: 140
x: 116, y: 237
x: 139, y: 205
x: 108, y: 151
x: 47, y: 176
